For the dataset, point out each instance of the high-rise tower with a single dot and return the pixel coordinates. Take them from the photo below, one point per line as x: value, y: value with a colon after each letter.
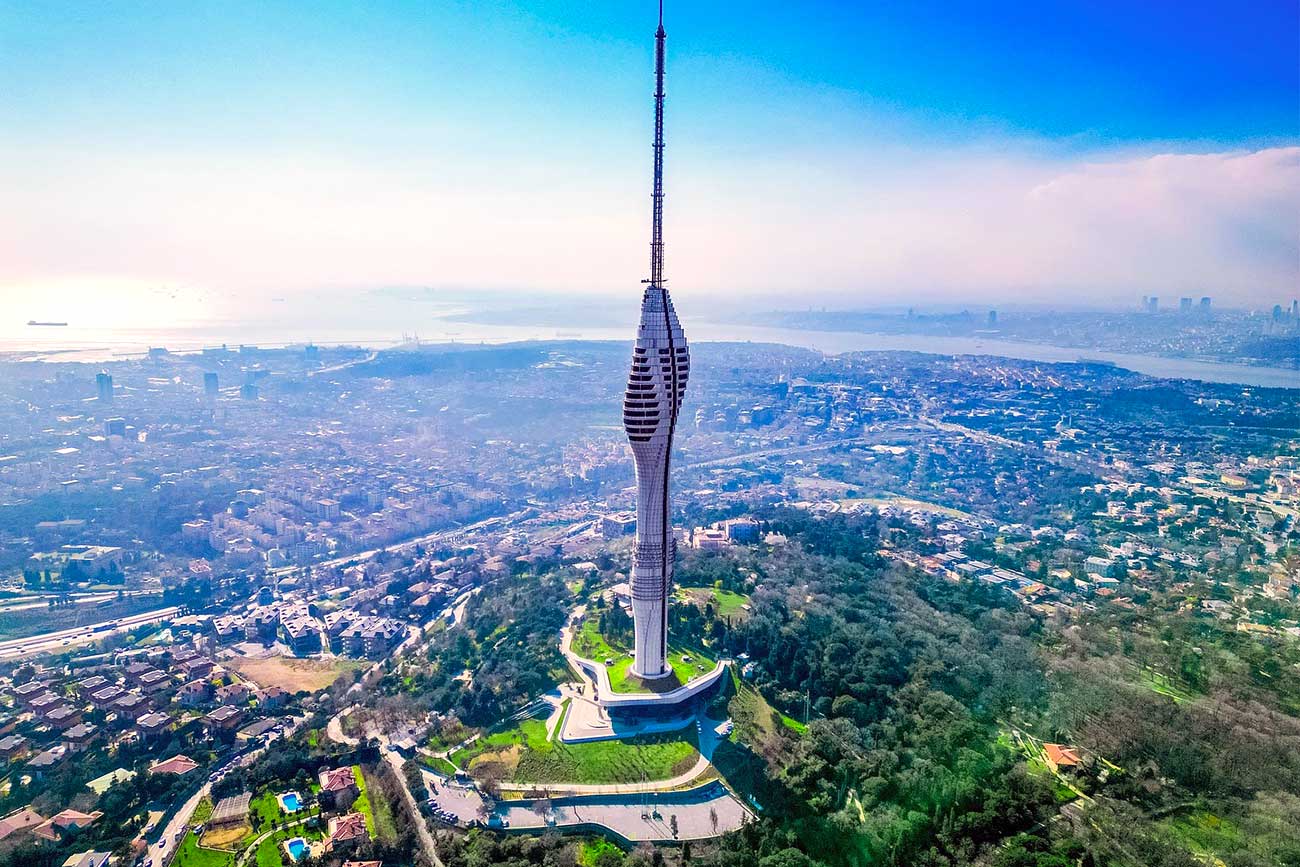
x: 104, y: 386
x: 655, y: 387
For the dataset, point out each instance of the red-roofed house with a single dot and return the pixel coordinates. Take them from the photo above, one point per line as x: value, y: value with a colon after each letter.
x: 178, y: 765
x: 67, y: 820
x: 338, y: 779
x: 337, y: 782
x: 1059, y: 757
x: 346, y: 830
x: 20, y: 822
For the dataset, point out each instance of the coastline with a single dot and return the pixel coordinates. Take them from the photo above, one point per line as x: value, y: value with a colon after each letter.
x: 102, y: 346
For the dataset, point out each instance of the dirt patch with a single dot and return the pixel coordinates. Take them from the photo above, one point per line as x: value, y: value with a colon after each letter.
x: 225, y: 838
x: 294, y: 675
x: 506, y: 760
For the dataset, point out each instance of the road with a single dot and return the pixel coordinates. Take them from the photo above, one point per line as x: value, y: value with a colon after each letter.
x: 164, y: 850
x: 436, y: 536
x: 334, y: 728
x: 65, y: 638
x: 427, y: 842
x: 344, y: 365
x: 78, y: 599
x: 788, y: 450
x: 1078, y: 463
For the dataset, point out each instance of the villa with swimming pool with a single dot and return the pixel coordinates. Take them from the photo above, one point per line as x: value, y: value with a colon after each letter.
x: 296, y: 847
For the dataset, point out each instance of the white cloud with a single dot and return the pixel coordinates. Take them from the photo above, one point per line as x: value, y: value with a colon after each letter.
x: 945, y: 226
x: 938, y: 224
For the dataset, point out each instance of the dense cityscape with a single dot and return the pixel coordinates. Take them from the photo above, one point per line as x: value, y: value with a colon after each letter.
x: 205, y: 551
x: 1194, y: 329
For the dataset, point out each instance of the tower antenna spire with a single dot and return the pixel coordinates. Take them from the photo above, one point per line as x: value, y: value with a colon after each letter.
x: 657, y: 226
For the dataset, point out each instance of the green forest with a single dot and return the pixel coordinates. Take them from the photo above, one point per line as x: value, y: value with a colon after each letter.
x: 891, y: 717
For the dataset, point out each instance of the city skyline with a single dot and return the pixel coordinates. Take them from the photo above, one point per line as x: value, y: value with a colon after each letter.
x: 1000, y: 157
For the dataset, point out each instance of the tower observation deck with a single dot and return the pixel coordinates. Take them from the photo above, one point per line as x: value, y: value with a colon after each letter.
x: 655, y: 388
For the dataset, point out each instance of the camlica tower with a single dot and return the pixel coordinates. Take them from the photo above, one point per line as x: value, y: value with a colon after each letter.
x: 655, y: 388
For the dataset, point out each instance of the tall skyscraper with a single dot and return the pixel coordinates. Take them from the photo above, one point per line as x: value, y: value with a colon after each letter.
x: 655, y: 387
x: 1153, y: 304
x: 1205, y: 303
x: 210, y: 387
x: 1184, y: 305
x: 104, y: 386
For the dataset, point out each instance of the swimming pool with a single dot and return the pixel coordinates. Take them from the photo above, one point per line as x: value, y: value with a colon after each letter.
x: 296, y: 847
x: 290, y: 802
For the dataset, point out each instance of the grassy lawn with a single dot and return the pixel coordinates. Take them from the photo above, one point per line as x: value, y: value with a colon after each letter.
x: 1063, y: 793
x: 527, y: 755
x: 754, y: 717
x: 590, y: 644
x: 791, y: 723
x: 362, y: 804
x: 564, y: 714
x: 441, y: 766
x: 724, y: 602
x: 1205, y: 833
x: 448, y: 735
x: 384, y: 821
x: 192, y: 855
x: 591, y: 850
x: 265, y: 809
x: 202, y: 811
x: 1162, y: 684
x: 269, y: 851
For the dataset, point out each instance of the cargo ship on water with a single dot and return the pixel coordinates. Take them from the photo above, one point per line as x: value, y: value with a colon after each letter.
x: 47, y: 324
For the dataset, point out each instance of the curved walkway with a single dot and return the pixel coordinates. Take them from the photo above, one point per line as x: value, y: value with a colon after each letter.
x: 595, y: 674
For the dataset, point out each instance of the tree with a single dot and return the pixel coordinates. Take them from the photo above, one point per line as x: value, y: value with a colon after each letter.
x: 788, y: 857
x: 542, y: 807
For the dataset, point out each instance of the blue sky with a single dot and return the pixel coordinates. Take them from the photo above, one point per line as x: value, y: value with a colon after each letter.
x: 826, y: 146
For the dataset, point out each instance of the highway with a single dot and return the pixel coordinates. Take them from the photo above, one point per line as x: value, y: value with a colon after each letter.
x: 437, y: 536
x: 82, y: 600
x: 52, y: 642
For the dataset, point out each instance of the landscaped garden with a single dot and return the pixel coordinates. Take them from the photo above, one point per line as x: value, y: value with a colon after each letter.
x: 606, y: 649
x: 524, y: 753
x: 725, y: 603
x: 220, y: 847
